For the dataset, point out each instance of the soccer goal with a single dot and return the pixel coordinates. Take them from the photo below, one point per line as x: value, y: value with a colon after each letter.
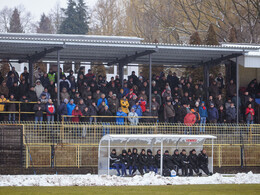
x: 153, y: 142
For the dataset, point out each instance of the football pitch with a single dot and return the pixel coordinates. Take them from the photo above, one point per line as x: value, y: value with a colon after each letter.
x: 133, y: 190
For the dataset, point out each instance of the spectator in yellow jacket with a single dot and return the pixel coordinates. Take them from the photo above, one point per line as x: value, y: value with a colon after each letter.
x: 2, y: 101
x: 124, y: 105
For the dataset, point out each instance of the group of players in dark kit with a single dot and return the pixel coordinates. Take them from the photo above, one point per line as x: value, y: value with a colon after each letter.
x: 145, y: 162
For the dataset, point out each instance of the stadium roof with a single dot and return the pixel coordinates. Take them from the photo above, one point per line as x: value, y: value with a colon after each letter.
x: 112, y: 50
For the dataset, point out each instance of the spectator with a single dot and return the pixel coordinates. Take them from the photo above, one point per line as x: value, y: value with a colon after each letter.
x: 231, y: 113
x: 222, y: 115
x: 4, y: 89
x: 250, y: 113
x: 138, y: 108
x: 106, y: 119
x: 39, y: 108
x: 89, y: 75
x: 64, y: 94
x: 11, y: 108
x: 15, y: 91
x: 76, y: 113
x: 133, y: 117
x: 70, y: 107
x: 124, y: 105
x: 81, y: 105
x: 51, y: 76
x: 25, y: 75
x: 93, y: 109
x: 25, y: 107
x: 86, y: 114
x: 231, y: 89
x: 23, y: 88
x: 120, y: 116
x: 38, y: 88
x: 113, y: 104
x: 45, y: 80
x: 46, y: 94
x: 214, y: 89
x: 11, y: 79
x: 64, y: 83
x: 155, y: 104
x: 50, y: 111
x: 63, y: 110
x: 101, y: 99
x: 38, y: 74
x: 169, y: 112
x: 203, y: 116
x: 213, y: 114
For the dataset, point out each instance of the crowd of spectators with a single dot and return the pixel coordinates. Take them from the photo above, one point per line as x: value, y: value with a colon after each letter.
x: 87, y: 95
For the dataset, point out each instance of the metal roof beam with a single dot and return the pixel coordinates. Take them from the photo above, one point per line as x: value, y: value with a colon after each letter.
x: 222, y: 58
x: 37, y: 56
x: 129, y: 59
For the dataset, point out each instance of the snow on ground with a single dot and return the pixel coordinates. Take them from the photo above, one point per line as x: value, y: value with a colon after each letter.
x: 105, y: 180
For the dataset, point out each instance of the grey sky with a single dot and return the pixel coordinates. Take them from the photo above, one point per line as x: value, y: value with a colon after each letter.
x: 37, y: 7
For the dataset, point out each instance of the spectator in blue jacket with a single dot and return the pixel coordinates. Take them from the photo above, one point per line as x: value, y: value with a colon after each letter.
x: 138, y: 109
x: 203, y: 116
x: 213, y: 114
x: 120, y: 120
x: 70, y: 107
x: 101, y: 99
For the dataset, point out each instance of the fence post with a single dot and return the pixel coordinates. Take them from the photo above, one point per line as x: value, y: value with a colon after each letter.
x: 19, y: 115
x: 219, y: 155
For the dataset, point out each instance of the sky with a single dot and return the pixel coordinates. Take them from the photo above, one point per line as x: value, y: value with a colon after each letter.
x: 37, y: 7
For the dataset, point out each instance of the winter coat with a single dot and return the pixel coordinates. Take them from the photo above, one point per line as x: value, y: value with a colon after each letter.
x: 130, y: 160
x: 193, y: 159
x: 39, y: 89
x: 177, y: 159
x: 39, y: 113
x: 132, y: 119
x: 2, y: 105
x: 203, y: 159
x: 169, y: 112
x: 114, y: 159
x: 151, y: 161
x: 222, y: 116
x: 184, y: 159
x: 23, y: 89
x: 124, y: 105
x: 120, y: 120
x: 213, y: 114
x: 70, y: 108
x: 65, y: 84
x: 32, y: 96
x: 64, y: 95
x: 93, y: 110
x: 203, y: 111
x: 143, y: 159
x: 82, y: 107
x: 62, y: 110
x: 138, y: 110
x: 107, y: 114
x: 168, y: 162
x: 11, y: 107
x: 50, y: 109
x: 231, y: 113
x: 158, y: 160
x: 142, y: 105
x: 100, y: 100
x: 250, y: 113
x: 123, y: 159
x: 135, y: 159
x: 113, y: 105
x: 77, y: 114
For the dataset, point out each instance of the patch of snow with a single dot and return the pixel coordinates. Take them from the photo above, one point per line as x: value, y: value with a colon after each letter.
x: 106, y: 180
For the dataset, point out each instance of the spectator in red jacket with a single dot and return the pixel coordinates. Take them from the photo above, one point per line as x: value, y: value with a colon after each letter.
x: 142, y: 103
x: 77, y: 114
x: 250, y: 113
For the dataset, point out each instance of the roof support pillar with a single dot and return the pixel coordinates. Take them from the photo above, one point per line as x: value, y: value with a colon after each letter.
x: 58, y: 77
x: 237, y: 89
x: 121, y: 73
x: 206, y: 79
x: 150, y: 82
x: 31, y: 72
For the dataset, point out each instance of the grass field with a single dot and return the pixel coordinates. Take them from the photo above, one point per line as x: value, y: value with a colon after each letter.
x: 153, y: 190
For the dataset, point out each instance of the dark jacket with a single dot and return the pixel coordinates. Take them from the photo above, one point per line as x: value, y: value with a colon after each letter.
x: 168, y: 162
x: 32, y: 96
x: 158, y: 160
x: 123, y: 159
x: 169, y: 112
x: 135, y: 157
x: 143, y: 160
x: 184, y: 159
x: 114, y: 159
x: 193, y: 159
x: 151, y: 160
x: 106, y: 114
x: 39, y: 113
x: 213, y: 113
x: 203, y: 159
x: 62, y: 110
x: 177, y: 159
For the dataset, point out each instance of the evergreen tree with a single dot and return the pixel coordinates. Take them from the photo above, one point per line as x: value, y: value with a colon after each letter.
x: 232, y: 35
x: 45, y: 25
x: 15, y: 23
x: 76, y: 19
x: 98, y: 69
x: 195, y: 39
x: 211, y: 37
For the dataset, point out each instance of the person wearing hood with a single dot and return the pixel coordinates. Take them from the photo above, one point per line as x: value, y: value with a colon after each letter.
x: 135, y: 156
x: 167, y: 163
x: 203, y: 162
x: 115, y: 161
x: 185, y: 164
x: 158, y: 159
x: 193, y: 159
x: 151, y: 164
x: 130, y: 161
x: 203, y: 116
x: 38, y: 88
x: 124, y: 162
x: 143, y: 162
x: 177, y: 161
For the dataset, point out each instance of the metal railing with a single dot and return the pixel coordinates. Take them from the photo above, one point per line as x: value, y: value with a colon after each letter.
x: 68, y: 144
